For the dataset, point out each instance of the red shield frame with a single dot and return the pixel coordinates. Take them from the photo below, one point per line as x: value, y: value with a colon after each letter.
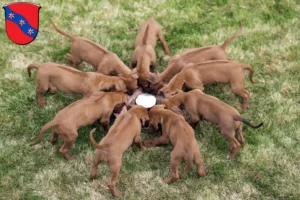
x: 22, y: 22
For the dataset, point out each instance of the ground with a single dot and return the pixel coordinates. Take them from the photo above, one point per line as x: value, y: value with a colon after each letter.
x: 267, y: 167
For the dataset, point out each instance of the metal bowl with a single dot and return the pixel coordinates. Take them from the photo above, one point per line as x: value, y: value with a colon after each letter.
x: 146, y: 100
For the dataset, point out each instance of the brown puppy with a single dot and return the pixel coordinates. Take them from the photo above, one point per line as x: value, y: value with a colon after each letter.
x: 103, y: 61
x: 195, y: 76
x: 81, y: 113
x: 69, y: 80
x: 155, y: 33
x: 182, y: 137
x: 125, y: 130
x: 197, y: 55
x: 144, y: 56
x: 202, y: 106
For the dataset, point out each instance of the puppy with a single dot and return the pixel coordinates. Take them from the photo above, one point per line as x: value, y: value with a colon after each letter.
x: 182, y: 137
x: 52, y: 76
x: 202, y: 106
x: 102, y: 60
x: 125, y: 130
x: 144, y: 56
x: 82, y: 113
x: 197, y: 55
x: 195, y: 76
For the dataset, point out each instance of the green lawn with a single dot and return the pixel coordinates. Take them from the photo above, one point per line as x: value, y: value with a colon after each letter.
x: 267, y: 167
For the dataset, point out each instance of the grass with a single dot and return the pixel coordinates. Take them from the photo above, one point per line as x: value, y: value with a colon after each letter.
x: 267, y: 167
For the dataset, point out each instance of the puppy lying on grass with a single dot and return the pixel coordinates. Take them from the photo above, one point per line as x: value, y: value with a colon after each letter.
x: 144, y: 56
x: 182, y: 137
x: 202, y: 106
x: 102, y: 60
x: 100, y: 105
x: 197, y: 55
x: 52, y: 76
x: 195, y: 76
x: 125, y: 130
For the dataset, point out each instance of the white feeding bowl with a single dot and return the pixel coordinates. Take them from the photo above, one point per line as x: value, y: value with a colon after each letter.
x: 146, y: 100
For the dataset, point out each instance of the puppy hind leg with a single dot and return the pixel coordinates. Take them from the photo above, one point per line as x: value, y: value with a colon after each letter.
x: 54, y: 137
x: 194, y: 120
x: 239, y: 134
x: 175, y: 162
x: 235, y: 145
x: 199, y: 163
x: 138, y: 141
x: 240, y: 90
x: 105, y: 123
x: 53, y: 89
x: 69, y: 137
x: 114, y: 166
x: 43, y: 86
x: 96, y: 161
x: 73, y: 61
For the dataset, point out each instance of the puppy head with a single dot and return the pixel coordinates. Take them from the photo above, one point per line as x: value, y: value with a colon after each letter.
x: 157, y: 107
x: 146, y: 79
x: 145, y: 85
x: 141, y: 112
x: 120, y: 86
x: 119, y: 107
x: 145, y: 119
x: 131, y: 83
x: 155, y: 116
x: 167, y: 92
x: 155, y: 82
x: 171, y: 106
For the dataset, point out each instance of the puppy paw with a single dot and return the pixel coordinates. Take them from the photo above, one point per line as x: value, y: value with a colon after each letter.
x: 53, y: 142
x: 148, y: 143
x: 53, y: 90
x: 93, y: 177
x: 230, y: 156
x: 116, y: 193
x: 68, y: 157
x: 169, y: 180
x: 42, y: 102
x: 244, y: 107
x: 201, y: 172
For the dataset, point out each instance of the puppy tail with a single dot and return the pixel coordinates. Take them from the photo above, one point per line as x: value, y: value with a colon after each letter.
x: 229, y: 40
x: 190, y: 162
x: 239, y: 118
x: 96, y: 145
x: 146, y: 35
x: 42, y: 132
x: 71, y: 37
x: 33, y: 65
x: 251, y: 71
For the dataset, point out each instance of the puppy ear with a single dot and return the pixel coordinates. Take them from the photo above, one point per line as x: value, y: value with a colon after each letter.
x: 152, y: 64
x: 176, y: 110
x: 161, y: 106
x: 134, y: 74
x: 153, y: 124
x: 161, y: 93
x: 153, y: 78
x: 133, y: 63
x: 120, y: 87
x: 166, y: 103
x: 175, y: 92
x: 129, y: 106
x: 144, y: 121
